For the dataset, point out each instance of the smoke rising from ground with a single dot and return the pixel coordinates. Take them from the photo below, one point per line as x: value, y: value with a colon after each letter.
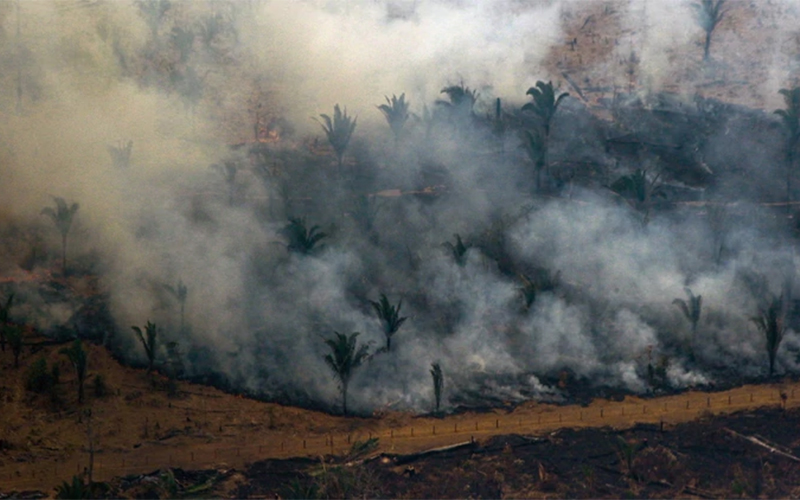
x: 99, y: 74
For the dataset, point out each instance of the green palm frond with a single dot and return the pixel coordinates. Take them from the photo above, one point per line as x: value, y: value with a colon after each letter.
x: 344, y: 357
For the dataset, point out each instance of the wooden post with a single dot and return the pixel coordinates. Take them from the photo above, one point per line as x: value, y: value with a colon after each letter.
x: 601, y: 413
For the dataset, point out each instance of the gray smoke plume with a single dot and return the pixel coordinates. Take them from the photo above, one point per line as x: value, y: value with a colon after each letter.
x: 186, y: 132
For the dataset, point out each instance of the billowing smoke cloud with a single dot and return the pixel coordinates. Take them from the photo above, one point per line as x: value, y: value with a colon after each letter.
x: 576, y: 287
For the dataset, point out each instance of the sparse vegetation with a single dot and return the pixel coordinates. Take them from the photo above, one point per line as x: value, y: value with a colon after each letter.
x: 389, y: 316
x: 345, y: 356
x: 62, y: 217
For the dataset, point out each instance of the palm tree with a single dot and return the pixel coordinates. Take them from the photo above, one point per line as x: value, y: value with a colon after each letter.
x: 14, y: 338
x: 345, y: 356
x: 62, y: 217
x: 458, y: 250
x: 301, y: 239
x: 389, y: 316
x: 438, y: 383
x: 708, y: 14
x: 461, y: 101
x: 770, y: 322
x: 396, y: 113
x: 639, y: 191
x: 691, y: 309
x: 791, y: 124
x: 535, y: 145
x: 78, y: 358
x: 544, y: 106
x: 148, y: 340
x: 180, y: 292
x: 339, y: 130
x: 4, y: 320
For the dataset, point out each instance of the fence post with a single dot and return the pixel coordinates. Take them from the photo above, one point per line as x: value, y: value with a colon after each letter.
x: 601, y: 413
x: 497, y: 423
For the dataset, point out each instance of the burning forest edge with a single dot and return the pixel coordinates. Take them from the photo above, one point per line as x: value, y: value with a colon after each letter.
x: 428, y: 247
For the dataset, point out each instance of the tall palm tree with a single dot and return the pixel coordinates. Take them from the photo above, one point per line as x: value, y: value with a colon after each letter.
x: 708, y: 14
x: 345, y: 356
x: 62, y: 217
x: 691, y: 309
x: 301, y: 239
x: 461, y: 101
x: 770, y: 322
x: 79, y: 360
x: 181, y: 293
x: 339, y: 130
x: 438, y: 383
x: 544, y: 106
x: 790, y: 117
x: 148, y: 339
x: 535, y: 145
x: 396, y: 113
x: 389, y: 316
x: 4, y: 310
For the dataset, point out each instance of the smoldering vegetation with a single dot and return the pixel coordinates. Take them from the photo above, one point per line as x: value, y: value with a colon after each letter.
x: 537, y: 245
